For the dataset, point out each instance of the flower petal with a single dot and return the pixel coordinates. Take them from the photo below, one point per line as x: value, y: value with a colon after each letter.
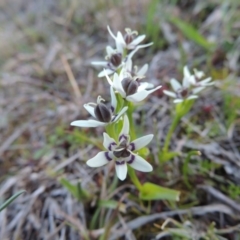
x: 178, y: 100
x: 198, y: 74
x: 100, y: 63
x: 121, y: 169
x: 170, y: 94
x: 143, y: 70
x: 111, y: 33
x: 140, y: 95
x: 118, y: 85
x: 136, y: 41
x: 113, y: 99
x: 116, y: 117
x: 87, y: 123
x: 120, y: 42
x: 120, y: 38
x: 108, y: 78
x: 128, y: 65
x: 197, y: 90
x: 110, y: 50
x: 142, y: 86
x: 141, y: 142
x: 130, y: 55
x: 189, y: 80
x: 140, y: 164
x: 206, y: 81
x: 175, y: 84
x: 125, y: 127
x: 99, y: 160
x: 192, y: 97
x: 105, y: 72
x: 144, y: 45
x: 90, y: 109
x: 108, y: 142
x: 186, y: 72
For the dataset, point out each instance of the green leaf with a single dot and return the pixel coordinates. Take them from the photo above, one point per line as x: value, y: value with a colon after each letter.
x: 111, y: 204
x: 190, y: 32
x: 184, y: 107
x: 76, y: 190
x: 185, y: 169
x: 166, y: 156
x: 179, y: 232
x: 11, y: 199
x: 150, y: 191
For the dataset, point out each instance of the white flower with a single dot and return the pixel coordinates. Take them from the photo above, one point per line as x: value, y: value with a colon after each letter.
x: 129, y: 41
x: 137, y: 74
x: 180, y: 92
x: 122, y: 152
x: 194, y: 79
x: 103, y: 114
x: 129, y: 88
x: 117, y: 57
x: 113, y: 61
x: 190, y: 86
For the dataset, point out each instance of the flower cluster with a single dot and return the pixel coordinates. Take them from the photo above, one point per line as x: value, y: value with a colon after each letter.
x: 190, y: 87
x: 126, y: 87
x: 116, y: 58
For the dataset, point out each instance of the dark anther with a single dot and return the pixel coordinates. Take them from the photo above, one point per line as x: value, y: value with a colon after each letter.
x: 130, y: 86
x: 103, y: 113
x: 128, y: 38
x: 184, y: 93
x: 116, y: 59
x: 121, y: 154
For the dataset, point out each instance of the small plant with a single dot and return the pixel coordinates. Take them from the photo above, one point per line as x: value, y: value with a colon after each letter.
x: 190, y: 231
x: 127, y: 89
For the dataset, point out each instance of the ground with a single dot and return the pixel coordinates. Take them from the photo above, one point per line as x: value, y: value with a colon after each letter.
x: 46, y: 76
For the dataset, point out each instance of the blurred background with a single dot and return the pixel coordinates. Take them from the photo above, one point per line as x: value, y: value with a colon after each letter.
x: 46, y: 49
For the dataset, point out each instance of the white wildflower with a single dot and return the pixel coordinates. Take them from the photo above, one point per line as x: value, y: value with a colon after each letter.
x: 190, y: 86
x: 103, y: 114
x: 130, y: 88
x: 122, y: 152
x: 128, y: 41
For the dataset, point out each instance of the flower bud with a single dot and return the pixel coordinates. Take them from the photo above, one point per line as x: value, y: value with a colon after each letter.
x: 116, y: 59
x: 130, y: 86
x: 128, y: 38
x: 103, y: 113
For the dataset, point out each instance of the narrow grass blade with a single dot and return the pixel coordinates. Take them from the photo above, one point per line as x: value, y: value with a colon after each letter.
x: 191, y: 33
x: 11, y: 199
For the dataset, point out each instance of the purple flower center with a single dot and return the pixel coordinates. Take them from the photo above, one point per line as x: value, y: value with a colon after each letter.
x: 103, y: 113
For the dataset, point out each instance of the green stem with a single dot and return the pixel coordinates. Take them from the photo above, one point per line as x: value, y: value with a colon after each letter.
x: 110, y: 129
x: 181, y: 110
x: 134, y: 178
x: 130, y: 118
x: 170, y: 132
x: 132, y: 133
